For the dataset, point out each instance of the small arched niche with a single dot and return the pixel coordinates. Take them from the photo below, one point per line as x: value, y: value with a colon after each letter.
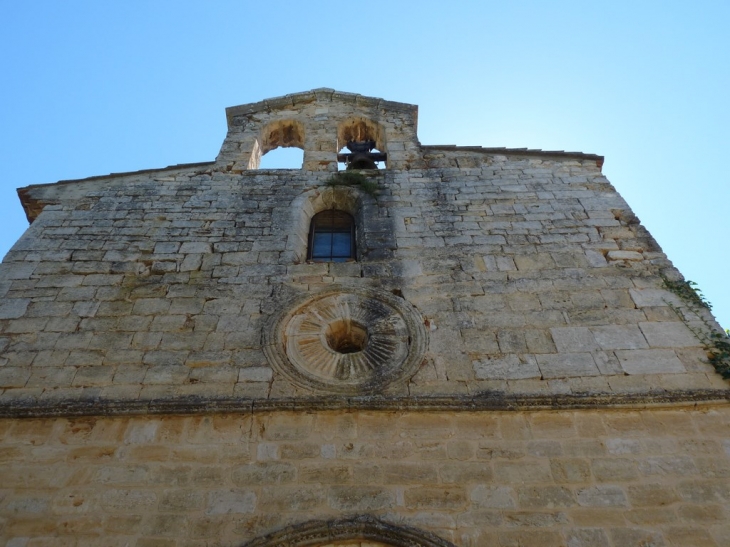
x: 278, y: 137
x: 360, y: 130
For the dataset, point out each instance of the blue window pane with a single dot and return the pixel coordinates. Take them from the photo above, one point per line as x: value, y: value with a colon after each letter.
x: 341, y: 245
x: 332, y: 237
x: 322, y: 245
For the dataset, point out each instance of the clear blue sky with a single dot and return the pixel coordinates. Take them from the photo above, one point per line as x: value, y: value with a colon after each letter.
x: 90, y: 88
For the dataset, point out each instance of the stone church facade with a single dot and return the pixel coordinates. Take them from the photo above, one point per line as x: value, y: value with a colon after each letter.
x: 466, y: 347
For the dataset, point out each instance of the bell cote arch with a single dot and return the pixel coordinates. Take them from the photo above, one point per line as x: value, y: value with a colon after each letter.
x: 358, y: 129
x: 284, y: 133
x: 321, y: 122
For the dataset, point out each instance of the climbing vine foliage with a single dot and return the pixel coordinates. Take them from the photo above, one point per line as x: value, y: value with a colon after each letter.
x: 688, y: 291
x: 352, y: 178
x: 716, y: 344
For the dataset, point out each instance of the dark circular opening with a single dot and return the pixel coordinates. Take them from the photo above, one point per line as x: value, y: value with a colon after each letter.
x: 346, y: 336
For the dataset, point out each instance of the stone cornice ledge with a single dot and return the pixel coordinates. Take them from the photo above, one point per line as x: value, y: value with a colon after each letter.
x: 426, y: 148
x: 481, y: 402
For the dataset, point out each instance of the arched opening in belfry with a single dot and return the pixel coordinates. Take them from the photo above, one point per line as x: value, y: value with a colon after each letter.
x: 360, y: 145
x: 281, y: 146
x: 282, y: 158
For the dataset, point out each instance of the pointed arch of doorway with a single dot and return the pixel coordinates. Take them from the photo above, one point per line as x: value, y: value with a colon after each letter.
x: 348, y: 532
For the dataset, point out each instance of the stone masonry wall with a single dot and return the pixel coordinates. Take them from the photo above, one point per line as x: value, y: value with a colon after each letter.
x: 533, y: 380
x: 610, y: 478
x: 532, y: 275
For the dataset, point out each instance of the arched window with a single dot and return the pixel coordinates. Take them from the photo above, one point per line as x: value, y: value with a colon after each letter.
x: 331, y: 237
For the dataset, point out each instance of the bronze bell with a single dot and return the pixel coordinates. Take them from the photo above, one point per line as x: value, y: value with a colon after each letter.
x: 361, y: 156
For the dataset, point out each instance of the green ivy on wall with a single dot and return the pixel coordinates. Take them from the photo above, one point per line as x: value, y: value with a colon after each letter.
x: 716, y: 344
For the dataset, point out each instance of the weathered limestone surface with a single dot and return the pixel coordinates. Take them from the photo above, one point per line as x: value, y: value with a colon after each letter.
x: 595, y: 478
x: 159, y: 284
x: 538, y: 386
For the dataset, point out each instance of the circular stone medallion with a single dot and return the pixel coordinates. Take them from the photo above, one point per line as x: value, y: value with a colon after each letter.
x: 347, y: 340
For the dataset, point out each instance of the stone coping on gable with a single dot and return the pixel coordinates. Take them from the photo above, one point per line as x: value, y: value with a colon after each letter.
x: 322, y: 94
x: 532, y: 152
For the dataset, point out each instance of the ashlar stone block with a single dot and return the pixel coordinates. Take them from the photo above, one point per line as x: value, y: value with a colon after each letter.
x: 570, y: 470
x: 595, y: 259
x: 545, y: 496
x: 194, y: 247
x: 619, y: 337
x: 587, y: 537
x: 255, y: 374
x: 493, y: 497
x: 505, y: 367
x: 574, y: 339
x: 625, y: 255
x: 650, y: 361
x: 228, y: 501
x: 654, y: 297
x: 13, y: 308
x: 668, y: 335
x: 363, y: 498
x: 567, y: 365
x: 13, y: 377
x: 602, y: 496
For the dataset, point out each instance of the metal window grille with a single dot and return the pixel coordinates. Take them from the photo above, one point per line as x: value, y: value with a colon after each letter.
x: 331, y: 237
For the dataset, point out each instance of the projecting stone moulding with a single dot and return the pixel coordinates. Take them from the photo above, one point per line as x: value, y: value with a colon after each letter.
x: 350, y: 531
x: 347, y: 341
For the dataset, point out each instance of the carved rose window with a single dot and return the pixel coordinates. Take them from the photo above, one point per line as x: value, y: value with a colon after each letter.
x: 347, y: 341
